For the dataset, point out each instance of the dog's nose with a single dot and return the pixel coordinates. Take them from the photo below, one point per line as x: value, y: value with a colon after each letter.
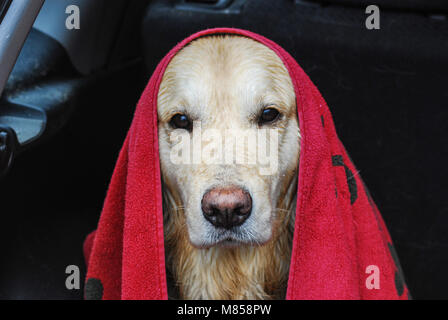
x: 226, y: 207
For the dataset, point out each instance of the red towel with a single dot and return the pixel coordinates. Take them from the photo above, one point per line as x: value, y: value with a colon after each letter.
x: 339, y: 232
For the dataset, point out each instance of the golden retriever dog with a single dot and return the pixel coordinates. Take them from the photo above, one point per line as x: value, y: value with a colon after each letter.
x: 228, y: 224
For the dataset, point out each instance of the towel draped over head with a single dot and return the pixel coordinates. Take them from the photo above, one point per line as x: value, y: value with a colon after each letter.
x: 341, y: 247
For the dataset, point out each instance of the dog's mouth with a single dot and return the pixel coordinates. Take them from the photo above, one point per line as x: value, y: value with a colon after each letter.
x: 230, y: 242
x: 224, y: 241
x: 254, y: 232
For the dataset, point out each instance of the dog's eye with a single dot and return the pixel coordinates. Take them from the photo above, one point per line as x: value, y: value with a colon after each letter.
x: 181, y: 121
x: 269, y: 115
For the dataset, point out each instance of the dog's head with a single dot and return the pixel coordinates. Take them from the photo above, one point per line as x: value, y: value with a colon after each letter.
x: 229, y: 139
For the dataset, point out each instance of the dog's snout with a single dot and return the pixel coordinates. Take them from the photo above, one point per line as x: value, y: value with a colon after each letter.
x: 227, y: 207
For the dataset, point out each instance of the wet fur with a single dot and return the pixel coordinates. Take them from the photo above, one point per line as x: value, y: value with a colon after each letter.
x: 245, y: 272
x: 218, y: 272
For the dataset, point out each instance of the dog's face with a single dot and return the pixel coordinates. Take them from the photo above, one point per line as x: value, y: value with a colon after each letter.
x: 228, y: 139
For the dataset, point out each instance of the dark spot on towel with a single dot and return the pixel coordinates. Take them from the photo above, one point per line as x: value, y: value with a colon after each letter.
x: 399, y: 279
x: 93, y: 289
x: 337, y: 160
x: 323, y: 122
x: 351, y: 181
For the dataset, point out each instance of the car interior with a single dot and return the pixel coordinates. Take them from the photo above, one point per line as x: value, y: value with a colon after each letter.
x: 68, y: 97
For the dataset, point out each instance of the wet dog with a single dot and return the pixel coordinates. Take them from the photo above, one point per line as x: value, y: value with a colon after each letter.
x: 229, y: 153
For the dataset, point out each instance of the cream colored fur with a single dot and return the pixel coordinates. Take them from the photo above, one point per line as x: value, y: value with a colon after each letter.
x: 224, y: 82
